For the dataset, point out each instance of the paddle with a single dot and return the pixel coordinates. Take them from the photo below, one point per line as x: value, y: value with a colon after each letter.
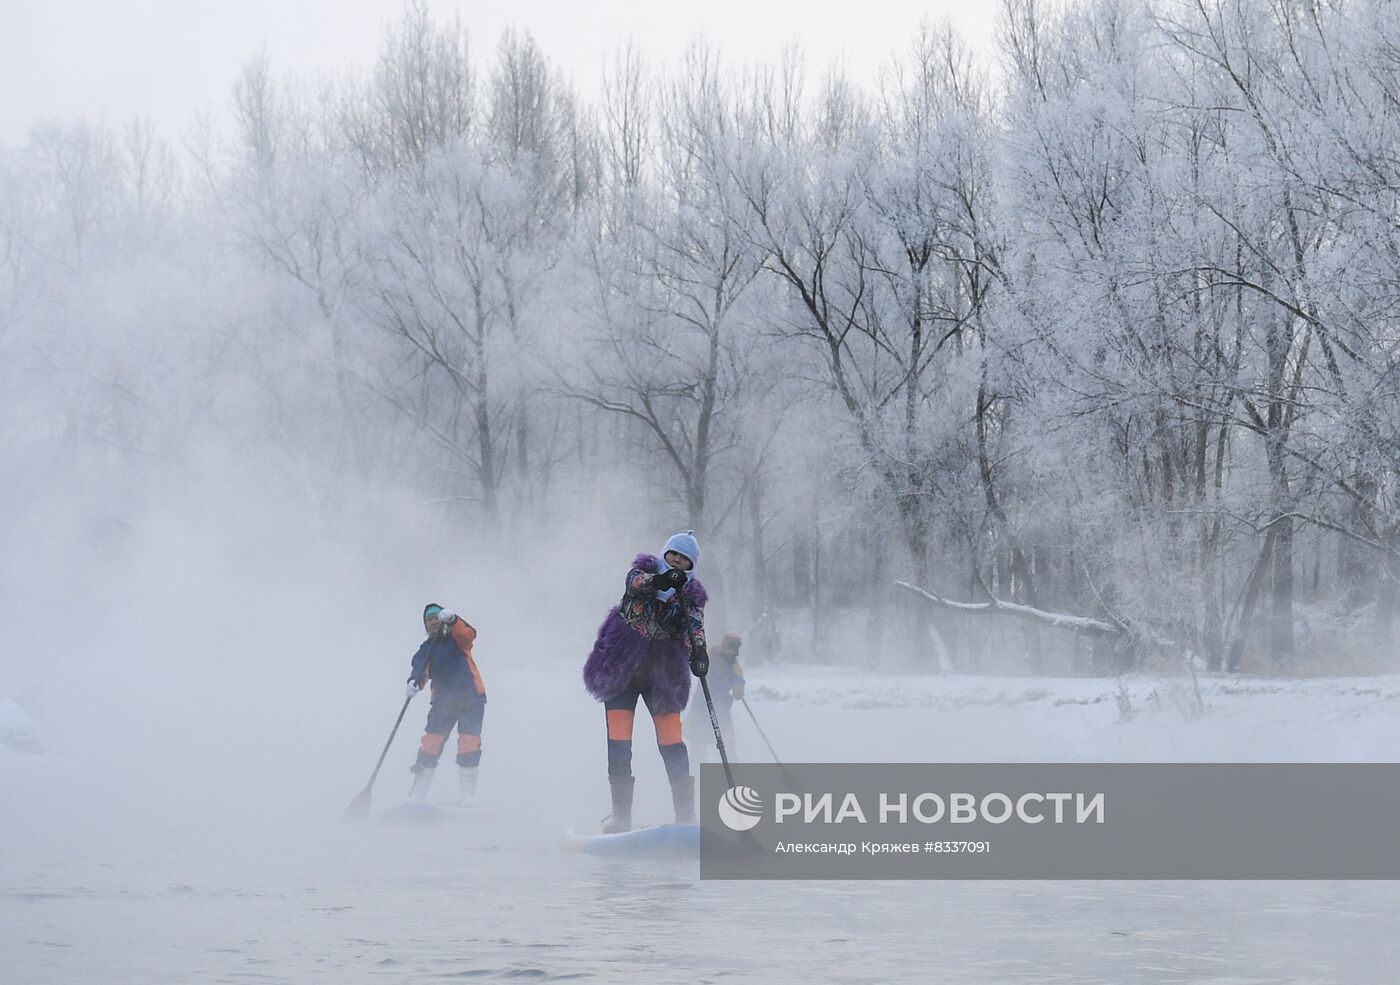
x: 359, y: 807
x: 705, y: 687
x: 771, y: 750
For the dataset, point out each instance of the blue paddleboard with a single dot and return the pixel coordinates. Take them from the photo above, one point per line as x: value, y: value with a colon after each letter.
x: 675, y: 839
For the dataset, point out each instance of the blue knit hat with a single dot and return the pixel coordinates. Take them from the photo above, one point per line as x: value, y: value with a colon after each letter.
x: 684, y: 544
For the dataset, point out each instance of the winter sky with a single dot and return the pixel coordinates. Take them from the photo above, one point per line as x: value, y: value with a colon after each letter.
x: 168, y: 60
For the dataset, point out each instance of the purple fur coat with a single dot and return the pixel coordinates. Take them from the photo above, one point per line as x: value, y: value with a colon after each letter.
x: 643, y: 637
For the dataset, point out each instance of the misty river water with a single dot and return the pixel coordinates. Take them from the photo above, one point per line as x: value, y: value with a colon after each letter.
x: 147, y: 858
x: 492, y: 900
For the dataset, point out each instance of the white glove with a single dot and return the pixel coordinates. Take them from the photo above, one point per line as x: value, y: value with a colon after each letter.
x: 447, y: 617
x: 411, y: 689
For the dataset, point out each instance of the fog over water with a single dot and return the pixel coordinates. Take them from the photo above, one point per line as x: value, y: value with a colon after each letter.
x: 1031, y: 402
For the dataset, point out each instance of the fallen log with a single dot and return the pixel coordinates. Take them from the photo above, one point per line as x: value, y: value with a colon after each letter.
x: 1059, y: 620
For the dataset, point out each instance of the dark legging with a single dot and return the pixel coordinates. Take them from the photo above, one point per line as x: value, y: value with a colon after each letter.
x: 621, y: 708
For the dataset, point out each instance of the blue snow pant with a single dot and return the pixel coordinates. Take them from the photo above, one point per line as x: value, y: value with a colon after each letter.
x: 463, y: 709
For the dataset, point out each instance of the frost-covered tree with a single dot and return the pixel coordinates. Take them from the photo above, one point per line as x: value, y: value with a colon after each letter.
x: 671, y: 265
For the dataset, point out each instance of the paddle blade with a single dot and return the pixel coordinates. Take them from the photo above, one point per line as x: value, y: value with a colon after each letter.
x: 358, y: 809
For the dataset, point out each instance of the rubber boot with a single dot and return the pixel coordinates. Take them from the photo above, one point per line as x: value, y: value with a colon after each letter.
x: 621, y: 817
x: 422, y: 779
x: 466, y: 790
x: 683, y: 796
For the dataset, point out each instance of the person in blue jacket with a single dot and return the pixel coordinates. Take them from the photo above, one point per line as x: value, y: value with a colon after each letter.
x: 458, y: 699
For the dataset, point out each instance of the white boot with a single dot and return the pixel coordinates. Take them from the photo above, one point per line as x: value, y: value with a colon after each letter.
x: 422, y: 780
x: 467, y: 790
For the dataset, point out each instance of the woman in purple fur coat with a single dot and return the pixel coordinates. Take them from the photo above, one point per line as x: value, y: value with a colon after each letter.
x: 646, y: 649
